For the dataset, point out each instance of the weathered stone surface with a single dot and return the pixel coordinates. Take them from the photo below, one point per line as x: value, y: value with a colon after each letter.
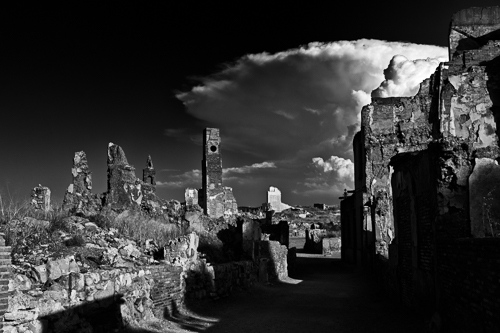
x: 441, y: 150
x: 484, y: 196
x: 473, y: 27
x: 78, y: 198
x: 217, y: 200
x: 125, y: 190
x: 40, y: 198
x: 149, y: 173
x: 191, y: 196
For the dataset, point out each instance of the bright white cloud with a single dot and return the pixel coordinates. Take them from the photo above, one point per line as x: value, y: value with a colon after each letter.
x: 301, y: 103
x: 403, y: 76
x: 249, y: 168
x: 342, y: 168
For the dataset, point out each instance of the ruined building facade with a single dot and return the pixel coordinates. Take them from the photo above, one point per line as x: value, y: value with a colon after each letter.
x: 424, y: 214
x: 216, y: 200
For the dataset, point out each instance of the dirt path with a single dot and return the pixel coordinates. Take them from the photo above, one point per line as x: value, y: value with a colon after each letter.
x: 325, y: 296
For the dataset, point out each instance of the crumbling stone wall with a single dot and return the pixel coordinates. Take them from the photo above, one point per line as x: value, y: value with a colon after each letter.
x: 216, y: 199
x: 102, y: 300
x: 219, y: 280
x: 40, y: 198
x: 191, y: 196
x: 78, y: 199
x: 456, y: 107
x: 149, y: 173
x: 441, y: 150
x: 389, y: 126
x: 124, y: 189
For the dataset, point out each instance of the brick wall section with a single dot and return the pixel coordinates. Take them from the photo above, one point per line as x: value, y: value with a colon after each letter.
x: 469, y: 275
x: 168, y: 292
x: 5, y: 275
x: 220, y: 280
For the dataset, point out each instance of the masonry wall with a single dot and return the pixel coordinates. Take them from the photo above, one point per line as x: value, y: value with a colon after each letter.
x: 219, y: 280
x: 120, y: 296
x: 167, y: 292
x: 469, y: 275
x: 5, y: 276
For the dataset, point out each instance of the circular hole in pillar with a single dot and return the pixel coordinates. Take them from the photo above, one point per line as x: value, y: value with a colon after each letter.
x: 213, y: 148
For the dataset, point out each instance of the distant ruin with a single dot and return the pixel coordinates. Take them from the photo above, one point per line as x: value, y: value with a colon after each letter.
x: 274, y: 200
x: 426, y: 179
x: 191, y: 196
x: 216, y: 199
x: 40, y: 198
x: 149, y: 173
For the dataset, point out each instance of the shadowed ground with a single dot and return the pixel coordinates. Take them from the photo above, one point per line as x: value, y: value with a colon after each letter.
x: 324, y: 296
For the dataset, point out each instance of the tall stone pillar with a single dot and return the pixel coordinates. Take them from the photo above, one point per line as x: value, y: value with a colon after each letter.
x: 213, y: 190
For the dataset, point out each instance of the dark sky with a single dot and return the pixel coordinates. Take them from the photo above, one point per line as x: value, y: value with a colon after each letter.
x: 75, y: 78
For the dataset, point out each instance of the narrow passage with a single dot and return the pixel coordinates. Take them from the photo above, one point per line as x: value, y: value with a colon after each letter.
x: 331, y: 297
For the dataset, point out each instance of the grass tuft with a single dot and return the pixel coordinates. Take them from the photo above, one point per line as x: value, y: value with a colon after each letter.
x: 139, y: 226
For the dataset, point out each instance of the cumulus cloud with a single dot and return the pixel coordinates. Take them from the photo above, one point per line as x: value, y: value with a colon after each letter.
x: 343, y: 168
x: 291, y: 106
x: 403, y: 76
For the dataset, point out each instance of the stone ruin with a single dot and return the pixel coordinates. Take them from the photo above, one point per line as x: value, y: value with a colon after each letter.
x: 149, y: 173
x: 40, y: 198
x: 425, y: 206
x: 215, y: 199
x: 191, y: 196
x: 274, y: 200
x: 124, y: 189
x: 78, y: 198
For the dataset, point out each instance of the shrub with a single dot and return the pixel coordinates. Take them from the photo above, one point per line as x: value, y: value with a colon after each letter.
x: 76, y: 240
x: 139, y: 226
x: 25, y: 227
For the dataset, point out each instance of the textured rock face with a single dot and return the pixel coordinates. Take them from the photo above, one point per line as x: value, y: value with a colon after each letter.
x: 230, y: 205
x: 217, y: 200
x: 40, y: 198
x: 78, y: 198
x: 124, y: 189
x: 390, y: 126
